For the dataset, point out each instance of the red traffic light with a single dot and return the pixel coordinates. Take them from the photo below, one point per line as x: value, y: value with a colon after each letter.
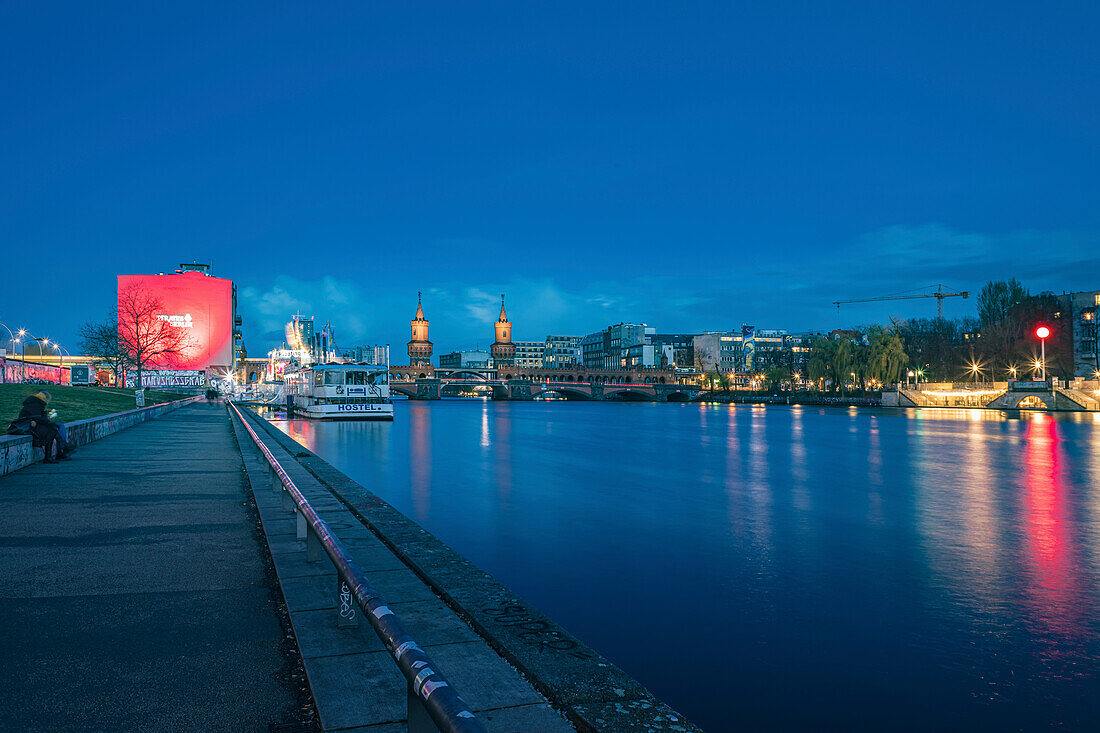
x: 1042, y: 332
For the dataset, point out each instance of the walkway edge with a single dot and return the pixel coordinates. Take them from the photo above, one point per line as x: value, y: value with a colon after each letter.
x: 16, y: 451
x: 593, y: 693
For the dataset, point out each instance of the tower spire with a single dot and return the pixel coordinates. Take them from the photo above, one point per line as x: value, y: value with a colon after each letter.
x: 420, y: 348
x: 503, y: 350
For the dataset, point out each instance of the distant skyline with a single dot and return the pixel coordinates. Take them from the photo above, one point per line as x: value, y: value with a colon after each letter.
x: 692, y: 166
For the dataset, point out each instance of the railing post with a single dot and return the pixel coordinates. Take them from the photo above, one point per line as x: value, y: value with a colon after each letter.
x: 346, y: 616
x: 276, y: 482
x: 300, y: 525
x: 419, y: 720
x: 314, y: 550
x: 288, y: 501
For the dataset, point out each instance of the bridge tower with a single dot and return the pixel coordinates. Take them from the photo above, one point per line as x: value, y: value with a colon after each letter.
x: 420, y: 348
x: 503, y: 350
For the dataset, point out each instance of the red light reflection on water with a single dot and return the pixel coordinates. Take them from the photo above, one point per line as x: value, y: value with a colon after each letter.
x: 1055, y: 589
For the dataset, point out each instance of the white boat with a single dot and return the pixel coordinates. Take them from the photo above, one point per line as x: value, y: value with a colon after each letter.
x: 339, y: 392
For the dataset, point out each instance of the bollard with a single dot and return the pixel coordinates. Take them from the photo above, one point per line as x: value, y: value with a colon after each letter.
x: 288, y: 501
x: 314, y: 549
x: 346, y: 617
x: 419, y: 720
x: 300, y: 525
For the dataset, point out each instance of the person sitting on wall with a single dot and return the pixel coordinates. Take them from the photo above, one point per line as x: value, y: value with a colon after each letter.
x: 33, y: 420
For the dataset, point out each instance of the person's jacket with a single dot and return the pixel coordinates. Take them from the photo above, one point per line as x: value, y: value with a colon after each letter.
x: 34, y: 410
x: 34, y: 407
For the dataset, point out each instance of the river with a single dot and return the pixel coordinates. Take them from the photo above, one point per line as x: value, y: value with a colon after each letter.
x: 762, y: 568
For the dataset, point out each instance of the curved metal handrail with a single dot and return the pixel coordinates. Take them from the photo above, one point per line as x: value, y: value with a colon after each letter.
x: 440, y: 700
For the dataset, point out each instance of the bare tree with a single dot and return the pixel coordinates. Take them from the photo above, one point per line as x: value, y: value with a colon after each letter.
x: 101, y: 340
x: 146, y: 337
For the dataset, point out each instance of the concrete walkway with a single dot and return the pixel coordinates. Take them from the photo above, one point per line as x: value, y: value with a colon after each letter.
x: 132, y: 588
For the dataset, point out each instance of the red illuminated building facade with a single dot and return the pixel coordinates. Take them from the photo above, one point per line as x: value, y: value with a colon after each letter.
x: 205, y: 307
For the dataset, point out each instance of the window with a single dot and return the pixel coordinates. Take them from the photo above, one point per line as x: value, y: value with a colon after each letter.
x: 333, y: 377
x: 318, y: 378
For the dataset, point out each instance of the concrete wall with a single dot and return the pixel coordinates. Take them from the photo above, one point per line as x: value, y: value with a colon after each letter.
x: 16, y: 451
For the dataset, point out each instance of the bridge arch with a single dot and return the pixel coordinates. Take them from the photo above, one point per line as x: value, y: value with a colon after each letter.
x: 678, y: 396
x: 630, y: 394
x: 408, y: 391
x: 567, y: 393
x: 1035, y: 402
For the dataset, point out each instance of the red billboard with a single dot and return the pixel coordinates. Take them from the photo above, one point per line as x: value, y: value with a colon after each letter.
x: 198, y: 305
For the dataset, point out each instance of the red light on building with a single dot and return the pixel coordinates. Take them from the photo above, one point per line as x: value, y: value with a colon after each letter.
x: 199, y: 303
x: 1042, y: 332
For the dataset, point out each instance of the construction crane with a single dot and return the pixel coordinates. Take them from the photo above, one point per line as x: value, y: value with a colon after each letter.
x: 939, y: 295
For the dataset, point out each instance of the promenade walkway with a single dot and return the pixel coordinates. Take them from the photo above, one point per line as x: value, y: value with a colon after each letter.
x: 132, y: 587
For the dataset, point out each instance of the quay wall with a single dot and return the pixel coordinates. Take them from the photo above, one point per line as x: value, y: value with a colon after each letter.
x: 16, y: 451
x: 587, y: 688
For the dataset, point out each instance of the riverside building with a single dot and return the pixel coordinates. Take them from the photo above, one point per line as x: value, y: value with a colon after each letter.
x: 530, y: 353
x: 561, y: 352
x: 622, y: 346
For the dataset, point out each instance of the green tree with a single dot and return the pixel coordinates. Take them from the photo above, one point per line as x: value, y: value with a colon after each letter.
x: 774, y: 376
x: 886, y: 355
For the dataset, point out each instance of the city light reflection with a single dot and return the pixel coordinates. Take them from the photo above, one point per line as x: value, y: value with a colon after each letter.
x: 420, y: 460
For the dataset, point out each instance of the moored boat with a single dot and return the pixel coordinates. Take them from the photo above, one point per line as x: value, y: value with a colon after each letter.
x: 339, y: 392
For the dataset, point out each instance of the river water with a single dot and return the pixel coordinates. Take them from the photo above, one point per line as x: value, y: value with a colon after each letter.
x: 761, y: 568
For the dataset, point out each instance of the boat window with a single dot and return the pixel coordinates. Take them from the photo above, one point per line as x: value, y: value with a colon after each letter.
x: 318, y: 379
x: 380, y: 378
x: 334, y: 377
x: 356, y: 378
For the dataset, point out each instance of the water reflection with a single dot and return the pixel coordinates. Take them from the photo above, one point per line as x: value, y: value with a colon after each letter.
x: 420, y: 460
x: 1054, y: 588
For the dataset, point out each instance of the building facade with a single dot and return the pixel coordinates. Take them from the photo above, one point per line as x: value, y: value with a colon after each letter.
x: 561, y: 352
x: 368, y: 354
x: 200, y: 307
x: 529, y: 353
x: 677, y: 348
x: 476, y: 359
x: 621, y: 346
x: 1084, y: 310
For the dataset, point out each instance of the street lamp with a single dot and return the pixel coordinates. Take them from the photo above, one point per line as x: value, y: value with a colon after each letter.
x: 1012, y: 371
x: 975, y: 370
x: 909, y: 375
x: 1043, y: 332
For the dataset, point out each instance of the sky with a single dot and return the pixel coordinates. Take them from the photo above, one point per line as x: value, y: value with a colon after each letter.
x: 692, y: 166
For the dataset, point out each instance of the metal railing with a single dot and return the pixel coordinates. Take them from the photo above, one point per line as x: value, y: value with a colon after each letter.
x: 433, y: 702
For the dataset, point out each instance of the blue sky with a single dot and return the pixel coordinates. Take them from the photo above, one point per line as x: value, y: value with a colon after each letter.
x: 690, y: 165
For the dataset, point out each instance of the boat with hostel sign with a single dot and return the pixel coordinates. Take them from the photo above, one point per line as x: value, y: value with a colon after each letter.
x: 339, y: 392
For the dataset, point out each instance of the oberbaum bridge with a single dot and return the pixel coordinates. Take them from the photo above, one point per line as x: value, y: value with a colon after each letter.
x: 420, y: 380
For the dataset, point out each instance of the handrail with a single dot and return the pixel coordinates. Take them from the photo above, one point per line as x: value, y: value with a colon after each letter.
x: 426, y: 684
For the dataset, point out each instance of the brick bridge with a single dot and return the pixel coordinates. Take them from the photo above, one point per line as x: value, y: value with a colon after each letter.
x: 424, y: 382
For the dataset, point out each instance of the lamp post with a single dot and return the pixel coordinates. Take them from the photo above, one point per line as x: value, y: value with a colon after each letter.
x: 61, y: 360
x: 1043, y: 332
x: 909, y: 376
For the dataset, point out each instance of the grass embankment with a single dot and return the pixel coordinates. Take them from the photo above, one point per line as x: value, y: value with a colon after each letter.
x: 75, y: 403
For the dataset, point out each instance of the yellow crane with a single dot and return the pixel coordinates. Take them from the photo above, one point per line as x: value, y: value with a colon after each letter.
x: 939, y: 295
